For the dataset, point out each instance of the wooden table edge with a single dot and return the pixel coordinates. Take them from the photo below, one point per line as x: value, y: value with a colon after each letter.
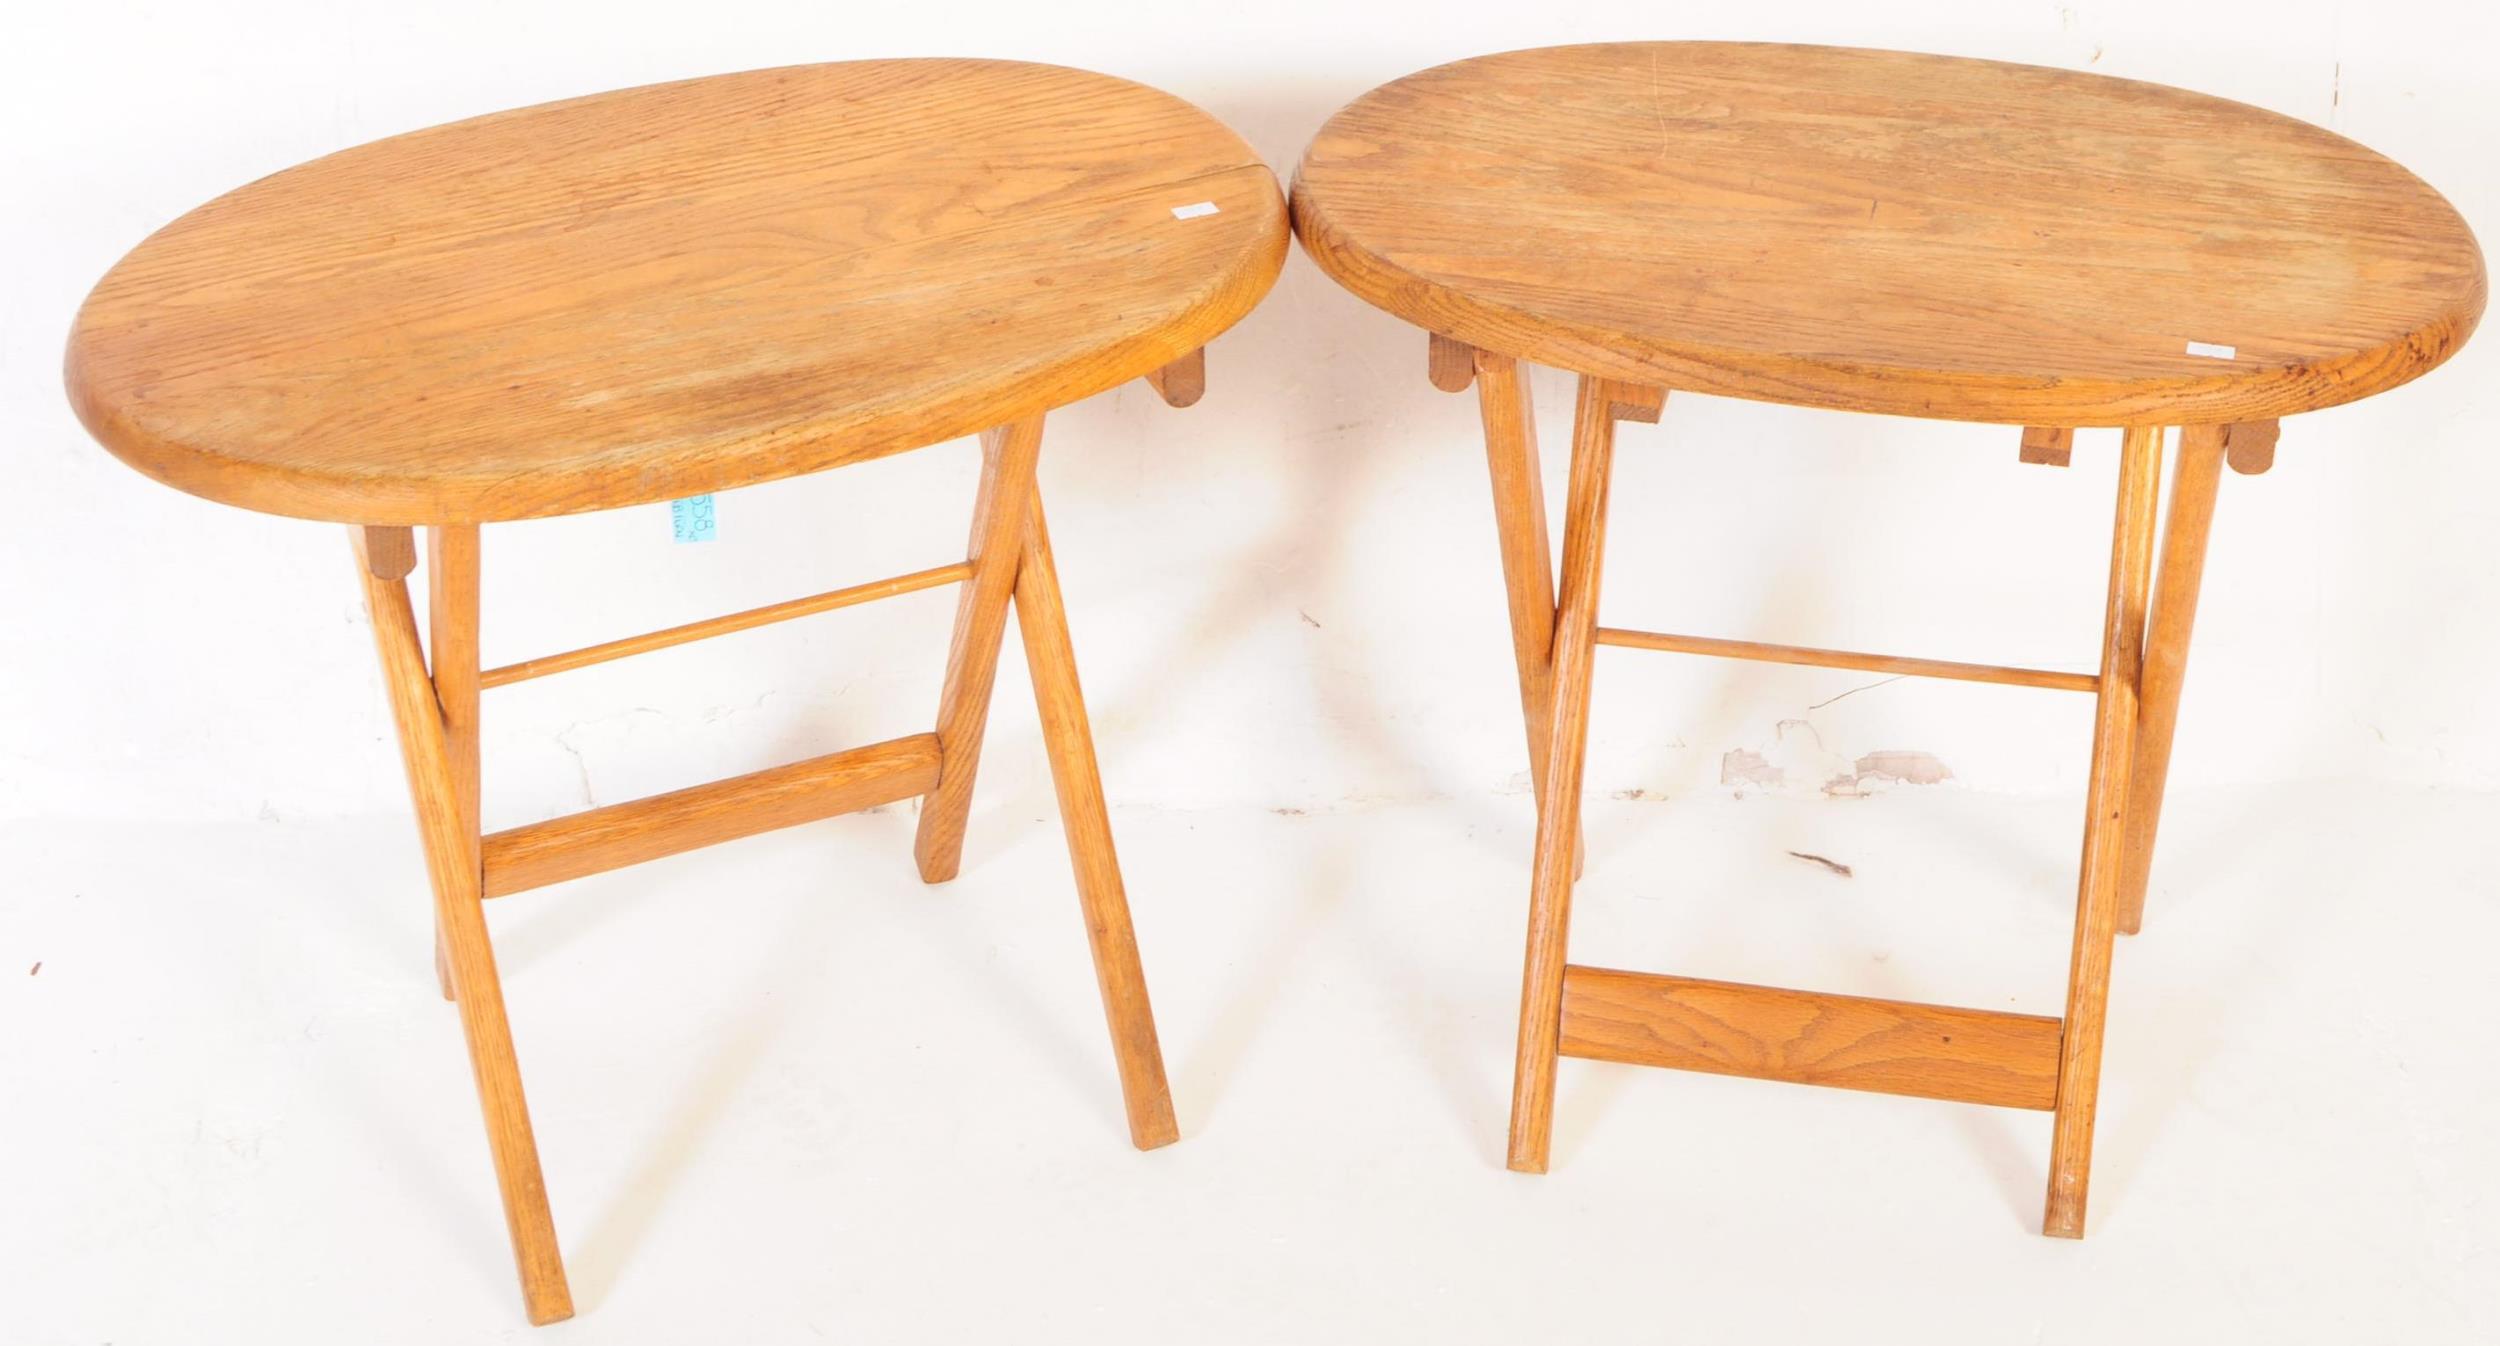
x: 1226, y: 297
x: 2223, y: 397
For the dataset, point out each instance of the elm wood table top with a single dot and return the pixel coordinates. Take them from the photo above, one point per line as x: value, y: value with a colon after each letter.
x: 675, y: 289
x: 1889, y: 232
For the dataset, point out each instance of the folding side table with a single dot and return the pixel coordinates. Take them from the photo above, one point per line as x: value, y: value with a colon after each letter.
x: 1878, y: 232
x: 668, y: 291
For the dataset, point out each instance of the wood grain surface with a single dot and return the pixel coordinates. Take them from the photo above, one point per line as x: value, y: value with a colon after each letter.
x: 1558, y: 833
x: 1889, y: 232
x: 1806, y: 1037
x: 996, y: 551
x: 440, y: 786
x: 2194, y: 486
x: 594, y: 842
x: 2097, y: 897
x: 1085, y: 815
x: 675, y: 289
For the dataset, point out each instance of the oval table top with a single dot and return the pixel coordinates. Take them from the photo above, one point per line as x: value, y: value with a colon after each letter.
x: 676, y: 289
x: 1889, y: 232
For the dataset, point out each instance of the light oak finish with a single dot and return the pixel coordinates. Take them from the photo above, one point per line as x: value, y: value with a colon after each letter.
x: 1634, y: 402
x: 1086, y: 818
x: 2104, y: 832
x: 601, y: 839
x: 1889, y: 232
x: 2048, y: 447
x: 723, y: 625
x: 2194, y: 483
x: 1182, y: 382
x: 2250, y: 445
x: 668, y: 291
x: 386, y: 553
x: 1509, y: 416
x: 390, y: 554
x: 998, y: 526
x: 452, y: 862
x: 1558, y: 812
x: 1451, y: 365
x: 1871, y: 663
x: 1877, y: 232
x: 1804, y: 1037
x: 451, y: 590
x: 822, y: 264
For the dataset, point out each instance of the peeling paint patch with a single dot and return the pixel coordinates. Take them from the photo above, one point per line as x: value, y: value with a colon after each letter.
x: 1905, y: 765
x: 1797, y: 762
x: 1743, y: 766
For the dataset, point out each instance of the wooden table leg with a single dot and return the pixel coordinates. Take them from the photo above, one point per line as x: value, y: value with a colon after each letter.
x: 1558, y: 808
x: 2104, y: 831
x: 1070, y: 741
x: 998, y: 519
x: 2192, y: 490
x: 424, y: 711
x: 451, y: 588
x: 1527, y: 557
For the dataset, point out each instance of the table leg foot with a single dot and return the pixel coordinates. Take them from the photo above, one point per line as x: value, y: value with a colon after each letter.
x: 1042, y: 618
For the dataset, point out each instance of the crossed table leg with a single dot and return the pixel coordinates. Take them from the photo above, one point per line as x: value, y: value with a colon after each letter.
x: 2049, y: 1064
x: 436, y: 710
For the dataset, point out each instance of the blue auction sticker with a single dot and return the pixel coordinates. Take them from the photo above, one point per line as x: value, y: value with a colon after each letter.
x: 691, y: 518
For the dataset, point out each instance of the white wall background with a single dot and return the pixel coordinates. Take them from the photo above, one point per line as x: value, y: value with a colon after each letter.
x: 1286, y: 597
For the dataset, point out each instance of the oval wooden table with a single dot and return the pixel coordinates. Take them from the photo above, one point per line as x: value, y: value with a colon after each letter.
x: 667, y: 291
x: 1880, y: 232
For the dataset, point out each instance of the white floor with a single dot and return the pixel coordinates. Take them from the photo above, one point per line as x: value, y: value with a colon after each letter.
x: 786, y: 1094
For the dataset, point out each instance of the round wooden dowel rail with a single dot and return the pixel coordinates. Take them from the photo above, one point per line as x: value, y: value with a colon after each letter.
x: 1872, y: 663
x: 721, y: 626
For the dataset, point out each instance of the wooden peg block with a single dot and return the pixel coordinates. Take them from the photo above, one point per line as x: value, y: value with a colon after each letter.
x: 2048, y: 447
x: 1452, y: 364
x: 387, y: 554
x: 1632, y: 402
x: 2249, y: 446
x: 1183, y: 381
